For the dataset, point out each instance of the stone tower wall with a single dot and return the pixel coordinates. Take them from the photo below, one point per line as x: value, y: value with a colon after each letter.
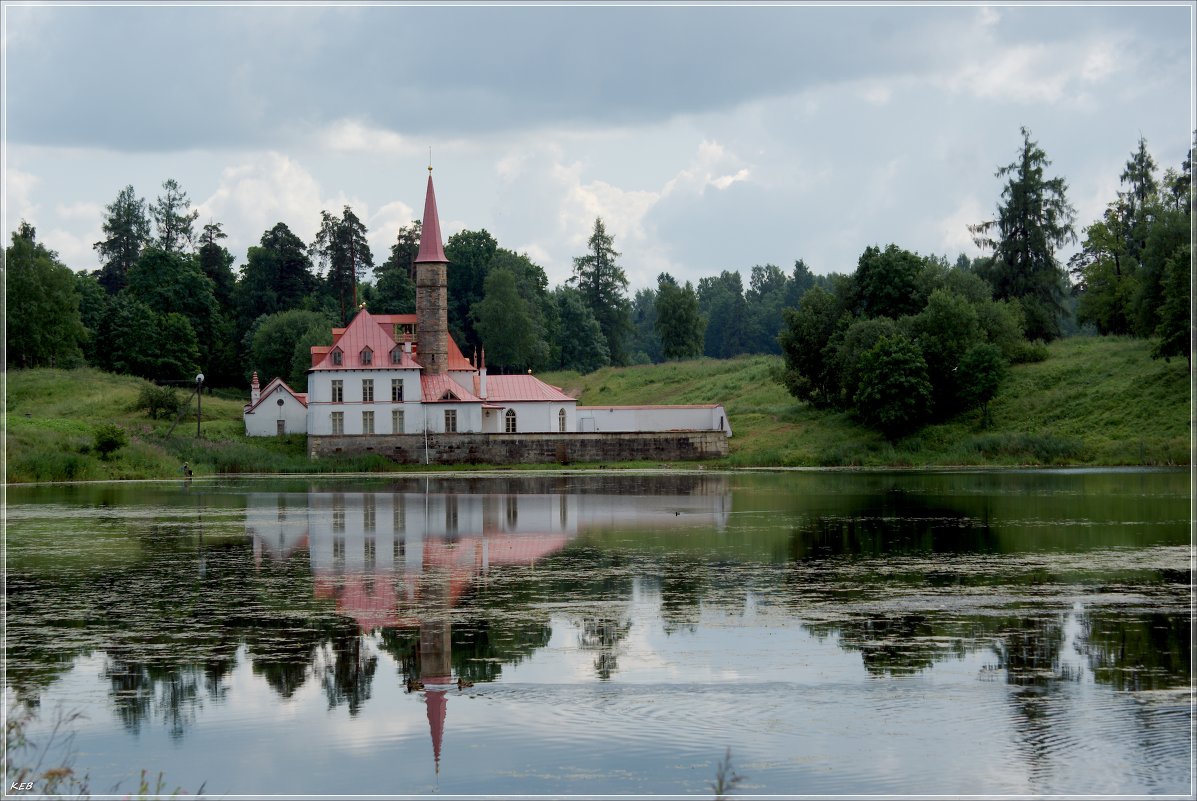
x: 432, y: 317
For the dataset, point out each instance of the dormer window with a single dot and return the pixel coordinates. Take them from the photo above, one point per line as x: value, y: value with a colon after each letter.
x: 336, y: 356
x: 449, y: 396
x: 397, y: 355
x: 367, y: 356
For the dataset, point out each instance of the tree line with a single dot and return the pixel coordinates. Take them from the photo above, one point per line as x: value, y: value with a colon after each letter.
x: 902, y: 330
x: 907, y: 339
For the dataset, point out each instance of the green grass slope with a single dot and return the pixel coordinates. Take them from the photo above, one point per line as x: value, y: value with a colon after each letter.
x: 1094, y: 401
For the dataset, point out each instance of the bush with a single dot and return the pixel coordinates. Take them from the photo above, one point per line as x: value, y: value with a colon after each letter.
x: 159, y: 402
x: 110, y: 438
x: 1028, y: 353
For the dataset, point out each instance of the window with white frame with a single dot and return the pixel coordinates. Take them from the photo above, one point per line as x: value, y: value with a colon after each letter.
x: 396, y: 390
x: 509, y: 421
x: 338, y: 390
x: 397, y: 421
x: 336, y: 356
x: 338, y: 422
x: 367, y: 390
x: 561, y: 421
x: 450, y: 421
x: 367, y: 356
x: 367, y: 422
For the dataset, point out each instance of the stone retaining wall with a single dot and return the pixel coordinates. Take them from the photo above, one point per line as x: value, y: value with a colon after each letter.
x: 663, y: 446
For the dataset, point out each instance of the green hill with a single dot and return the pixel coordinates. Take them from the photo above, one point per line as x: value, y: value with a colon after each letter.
x: 1094, y: 401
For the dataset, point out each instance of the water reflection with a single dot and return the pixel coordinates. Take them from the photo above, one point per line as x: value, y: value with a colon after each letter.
x: 349, y: 593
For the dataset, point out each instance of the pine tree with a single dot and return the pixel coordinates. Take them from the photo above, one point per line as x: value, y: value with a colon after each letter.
x: 127, y: 230
x: 174, y: 218
x: 1033, y: 220
x: 604, y: 285
x: 344, y: 255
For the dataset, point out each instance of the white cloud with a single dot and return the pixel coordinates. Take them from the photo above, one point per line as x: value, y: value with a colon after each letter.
x: 384, y: 227
x: 74, y: 249
x: 354, y: 136
x: 253, y: 196
x: 19, y: 205
x: 622, y: 210
x: 711, y: 160
x: 1040, y: 73
x: 954, y: 236
x: 80, y: 211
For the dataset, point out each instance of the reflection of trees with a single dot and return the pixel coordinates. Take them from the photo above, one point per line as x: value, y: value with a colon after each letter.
x: 604, y: 634
x: 683, y: 585
x: 1029, y: 651
x: 141, y: 691
x: 482, y: 647
x: 896, y: 645
x: 891, y: 524
x: 346, y: 671
x: 1139, y: 651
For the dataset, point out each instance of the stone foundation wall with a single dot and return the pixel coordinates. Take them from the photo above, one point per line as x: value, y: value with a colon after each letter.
x: 663, y: 446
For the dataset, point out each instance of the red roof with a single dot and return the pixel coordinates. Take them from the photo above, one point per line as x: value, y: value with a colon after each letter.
x: 508, y: 388
x: 364, y: 331
x: 430, y: 230
x: 436, y: 386
x: 302, y: 397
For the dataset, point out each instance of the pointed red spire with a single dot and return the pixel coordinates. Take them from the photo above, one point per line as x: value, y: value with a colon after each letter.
x: 430, y: 230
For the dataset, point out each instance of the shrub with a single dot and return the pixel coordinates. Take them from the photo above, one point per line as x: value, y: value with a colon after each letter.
x: 110, y: 438
x: 159, y: 402
x: 1028, y: 353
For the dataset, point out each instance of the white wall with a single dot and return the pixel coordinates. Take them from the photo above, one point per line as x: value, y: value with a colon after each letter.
x: 531, y: 417
x: 321, y: 407
x: 263, y: 420
x: 652, y: 418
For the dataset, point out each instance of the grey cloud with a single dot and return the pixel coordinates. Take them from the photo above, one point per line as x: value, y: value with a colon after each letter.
x: 134, y: 78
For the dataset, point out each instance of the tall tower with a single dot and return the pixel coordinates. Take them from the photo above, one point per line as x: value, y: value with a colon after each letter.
x: 432, y: 292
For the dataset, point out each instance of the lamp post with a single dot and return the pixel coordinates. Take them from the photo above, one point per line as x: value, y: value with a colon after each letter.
x: 199, y: 402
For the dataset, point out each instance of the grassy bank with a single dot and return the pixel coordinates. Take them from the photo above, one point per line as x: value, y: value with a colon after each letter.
x: 1093, y: 401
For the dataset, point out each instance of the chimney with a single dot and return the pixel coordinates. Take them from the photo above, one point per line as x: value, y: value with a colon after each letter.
x: 255, y: 389
x: 407, y: 342
x: 482, y: 377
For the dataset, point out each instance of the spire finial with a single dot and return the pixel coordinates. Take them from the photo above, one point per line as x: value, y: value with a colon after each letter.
x: 430, y: 159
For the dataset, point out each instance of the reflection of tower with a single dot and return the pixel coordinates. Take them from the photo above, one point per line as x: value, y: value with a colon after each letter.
x: 432, y: 294
x: 436, y: 654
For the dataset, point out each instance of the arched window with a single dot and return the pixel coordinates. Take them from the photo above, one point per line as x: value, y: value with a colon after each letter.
x: 336, y: 356
x: 367, y: 356
x: 561, y: 421
x: 509, y: 421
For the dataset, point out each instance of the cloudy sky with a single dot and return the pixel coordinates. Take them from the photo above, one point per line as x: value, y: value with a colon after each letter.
x: 707, y: 137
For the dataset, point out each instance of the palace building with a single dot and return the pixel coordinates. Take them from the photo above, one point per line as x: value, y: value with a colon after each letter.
x: 398, y: 385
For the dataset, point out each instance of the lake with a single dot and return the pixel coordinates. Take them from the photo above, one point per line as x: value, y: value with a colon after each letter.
x: 816, y: 632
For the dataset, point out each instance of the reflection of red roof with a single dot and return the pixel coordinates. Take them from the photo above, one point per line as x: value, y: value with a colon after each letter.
x: 437, y: 709
x: 274, y: 384
x: 522, y: 549
x: 371, y: 599
x: 437, y: 387
x: 508, y: 388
